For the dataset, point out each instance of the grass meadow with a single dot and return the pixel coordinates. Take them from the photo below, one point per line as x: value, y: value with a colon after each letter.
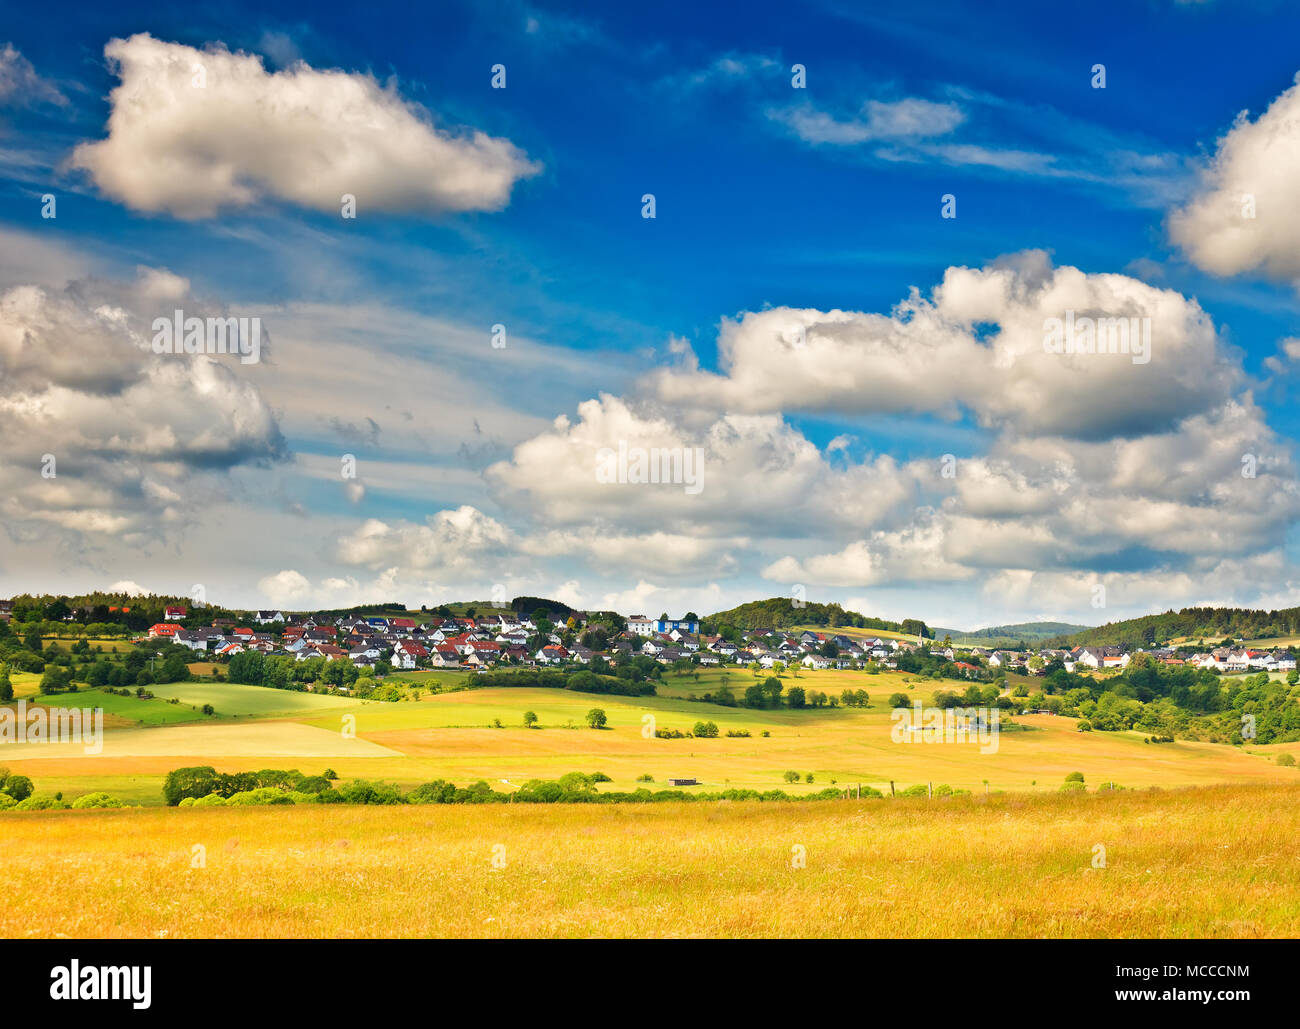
x: 1201, y: 862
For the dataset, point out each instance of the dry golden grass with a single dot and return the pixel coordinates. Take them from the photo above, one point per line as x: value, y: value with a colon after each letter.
x: 1203, y: 862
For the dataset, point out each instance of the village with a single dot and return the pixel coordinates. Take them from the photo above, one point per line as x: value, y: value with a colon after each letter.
x: 485, y: 641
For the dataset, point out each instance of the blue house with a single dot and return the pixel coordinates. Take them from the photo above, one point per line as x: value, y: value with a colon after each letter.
x: 669, y: 624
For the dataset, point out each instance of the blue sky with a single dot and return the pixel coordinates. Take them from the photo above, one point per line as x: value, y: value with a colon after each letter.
x: 775, y: 205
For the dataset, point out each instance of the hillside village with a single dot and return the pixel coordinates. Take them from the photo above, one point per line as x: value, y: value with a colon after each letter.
x: 484, y: 641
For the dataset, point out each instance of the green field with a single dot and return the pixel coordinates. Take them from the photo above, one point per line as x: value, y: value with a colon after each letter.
x: 119, y: 710
x: 234, y: 699
x: 456, y: 736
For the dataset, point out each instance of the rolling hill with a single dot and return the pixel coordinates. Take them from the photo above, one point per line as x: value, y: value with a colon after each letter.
x: 1029, y: 632
x: 786, y: 613
x: 1211, y: 624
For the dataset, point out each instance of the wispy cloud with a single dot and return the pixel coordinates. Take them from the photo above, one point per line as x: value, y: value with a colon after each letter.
x: 21, y: 86
x: 909, y: 118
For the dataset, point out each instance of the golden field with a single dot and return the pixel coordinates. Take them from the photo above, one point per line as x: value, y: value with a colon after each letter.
x: 1203, y: 862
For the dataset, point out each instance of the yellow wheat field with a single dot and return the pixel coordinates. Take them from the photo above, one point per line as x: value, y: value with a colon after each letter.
x: 1201, y: 862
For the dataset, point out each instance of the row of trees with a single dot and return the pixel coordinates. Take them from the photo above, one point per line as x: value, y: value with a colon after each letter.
x: 203, y: 785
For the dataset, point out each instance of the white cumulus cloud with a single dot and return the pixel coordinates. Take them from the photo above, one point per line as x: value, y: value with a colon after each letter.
x: 193, y: 132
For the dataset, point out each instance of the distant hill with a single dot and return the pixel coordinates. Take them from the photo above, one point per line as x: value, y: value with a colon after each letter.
x: 1211, y: 624
x: 782, y: 613
x: 1030, y: 632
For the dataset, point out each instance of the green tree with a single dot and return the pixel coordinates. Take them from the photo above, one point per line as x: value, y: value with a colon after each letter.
x: 174, y: 668
x: 576, y: 782
x: 18, y: 786
x: 596, y: 718
x: 530, y: 719
x: 195, y: 781
x: 55, y: 679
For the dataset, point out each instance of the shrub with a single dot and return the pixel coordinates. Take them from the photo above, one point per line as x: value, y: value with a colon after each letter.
x: 362, y: 792
x: 211, y: 800
x: 706, y: 730
x: 95, y: 800
x: 1073, y: 786
x: 791, y: 777
x: 645, y: 777
x: 1074, y: 777
x: 259, y: 796
x: 437, y: 792
x: 1286, y: 760
x: 41, y: 804
x: 6, y: 802
x: 898, y: 700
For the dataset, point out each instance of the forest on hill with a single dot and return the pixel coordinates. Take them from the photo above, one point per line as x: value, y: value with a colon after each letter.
x: 786, y: 613
x: 1211, y: 624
